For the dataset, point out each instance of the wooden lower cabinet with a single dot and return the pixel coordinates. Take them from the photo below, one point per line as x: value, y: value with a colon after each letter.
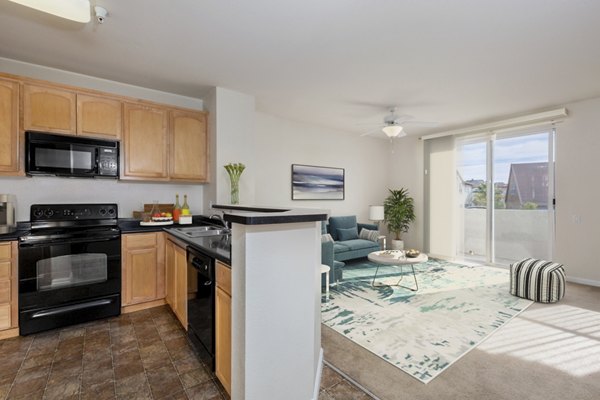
x: 177, y: 280
x: 143, y: 271
x: 9, y: 127
x: 9, y: 308
x: 223, y: 325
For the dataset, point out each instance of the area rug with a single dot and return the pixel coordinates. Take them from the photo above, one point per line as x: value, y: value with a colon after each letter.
x: 423, y: 332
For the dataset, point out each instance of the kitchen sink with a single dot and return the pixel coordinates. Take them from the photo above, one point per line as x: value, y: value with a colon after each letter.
x: 200, y: 231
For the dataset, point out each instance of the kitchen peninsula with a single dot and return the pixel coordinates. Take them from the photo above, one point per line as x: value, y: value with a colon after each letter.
x: 276, y: 322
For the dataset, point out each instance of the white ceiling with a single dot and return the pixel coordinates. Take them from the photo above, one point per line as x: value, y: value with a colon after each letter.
x: 334, y: 63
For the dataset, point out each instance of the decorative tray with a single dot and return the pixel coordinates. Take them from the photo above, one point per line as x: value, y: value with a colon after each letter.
x: 156, y: 223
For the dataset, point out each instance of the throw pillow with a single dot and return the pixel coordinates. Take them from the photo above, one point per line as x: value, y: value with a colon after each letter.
x: 347, y: 234
x: 369, y: 235
x: 326, y: 238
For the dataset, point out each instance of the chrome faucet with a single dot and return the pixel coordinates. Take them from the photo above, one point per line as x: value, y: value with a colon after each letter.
x: 220, y: 219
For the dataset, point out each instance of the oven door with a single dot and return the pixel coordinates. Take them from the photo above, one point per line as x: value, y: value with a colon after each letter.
x: 60, y: 268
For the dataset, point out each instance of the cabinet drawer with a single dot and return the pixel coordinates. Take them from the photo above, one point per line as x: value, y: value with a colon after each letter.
x: 5, y: 252
x: 5, y: 291
x: 5, y: 320
x: 5, y: 270
x: 224, y: 277
x: 140, y: 240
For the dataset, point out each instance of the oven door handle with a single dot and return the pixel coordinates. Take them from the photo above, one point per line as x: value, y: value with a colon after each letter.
x: 73, y: 307
x: 45, y: 242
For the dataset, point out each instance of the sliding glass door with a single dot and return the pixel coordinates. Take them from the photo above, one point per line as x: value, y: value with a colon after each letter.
x: 506, y: 192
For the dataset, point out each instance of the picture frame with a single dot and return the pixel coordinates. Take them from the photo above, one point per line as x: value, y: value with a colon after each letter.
x: 310, y: 182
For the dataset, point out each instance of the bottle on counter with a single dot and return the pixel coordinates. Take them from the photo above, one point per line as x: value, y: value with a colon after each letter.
x: 185, y: 208
x: 176, y: 209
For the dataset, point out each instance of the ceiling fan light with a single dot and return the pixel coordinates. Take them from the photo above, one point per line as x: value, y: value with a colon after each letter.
x: 392, y: 130
x: 74, y: 10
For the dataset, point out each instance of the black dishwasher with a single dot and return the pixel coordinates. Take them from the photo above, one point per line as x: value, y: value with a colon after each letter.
x: 201, y: 304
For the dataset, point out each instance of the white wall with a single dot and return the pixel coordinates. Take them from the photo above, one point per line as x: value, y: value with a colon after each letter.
x: 407, y: 172
x: 129, y: 196
x: 281, y: 143
x: 578, y: 191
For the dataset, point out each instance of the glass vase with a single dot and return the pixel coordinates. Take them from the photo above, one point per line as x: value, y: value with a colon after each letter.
x: 235, y: 191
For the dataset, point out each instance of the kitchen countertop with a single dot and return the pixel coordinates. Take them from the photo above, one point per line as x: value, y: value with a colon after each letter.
x: 217, y: 246
x: 22, y: 229
x: 251, y: 215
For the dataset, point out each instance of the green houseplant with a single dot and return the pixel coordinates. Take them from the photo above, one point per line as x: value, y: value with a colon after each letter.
x: 399, y: 213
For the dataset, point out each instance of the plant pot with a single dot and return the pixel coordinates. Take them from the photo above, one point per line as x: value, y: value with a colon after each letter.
x: 397, y: 244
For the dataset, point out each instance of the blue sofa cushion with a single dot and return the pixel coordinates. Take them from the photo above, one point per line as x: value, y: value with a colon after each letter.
x: 347, y: 234
x: 340, y: 247
x: 336, y: 223
x: 359, y: 244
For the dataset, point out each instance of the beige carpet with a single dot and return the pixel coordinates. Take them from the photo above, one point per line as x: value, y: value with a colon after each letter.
x: 548, y: 352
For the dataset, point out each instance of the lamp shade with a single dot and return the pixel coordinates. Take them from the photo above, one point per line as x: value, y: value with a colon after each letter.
x: 392, y: 130
x: 376, y: 213
x: 75, y: 10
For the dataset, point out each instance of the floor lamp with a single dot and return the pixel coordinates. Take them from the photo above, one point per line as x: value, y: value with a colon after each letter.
x: 376, y: 214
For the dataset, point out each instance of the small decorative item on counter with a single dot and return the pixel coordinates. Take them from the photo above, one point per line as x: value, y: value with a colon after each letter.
x: 235, y: 171
x: 185, y: 219
x: 155, y: 212
x: 158, y: 216
x: 176, y: 209
x: 412, y: 253
x: 185, y: 208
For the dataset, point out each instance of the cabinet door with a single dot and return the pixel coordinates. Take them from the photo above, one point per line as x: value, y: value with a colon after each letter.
x: 223, y: 325
x: 145, y: 143
x: 141, y: 277
x: 181, y: 285
x: 9, y: 309
x: 189, y: 146
x: 48, y: 109
x: 99, y: 116
x: 143, y: 272
x: 170, y: 274
x: 223, y: 338
x: 9, y: 129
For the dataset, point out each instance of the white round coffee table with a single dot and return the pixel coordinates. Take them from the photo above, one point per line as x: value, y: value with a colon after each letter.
x: 396, y: 257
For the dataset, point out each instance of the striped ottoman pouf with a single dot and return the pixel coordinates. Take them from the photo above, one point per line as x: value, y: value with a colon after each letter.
x: 537, y: 280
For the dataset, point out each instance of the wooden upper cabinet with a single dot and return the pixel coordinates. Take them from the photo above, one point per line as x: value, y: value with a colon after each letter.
x: 9, y: 129
x: 189, y: 146
x: 99, y: 116
x: 145, y: 142
x: 49, y: 109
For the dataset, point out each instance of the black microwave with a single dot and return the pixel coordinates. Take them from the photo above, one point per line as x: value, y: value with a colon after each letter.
x: 72, y: 156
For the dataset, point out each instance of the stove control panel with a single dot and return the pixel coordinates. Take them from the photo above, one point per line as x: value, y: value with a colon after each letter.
x: 72, y: 212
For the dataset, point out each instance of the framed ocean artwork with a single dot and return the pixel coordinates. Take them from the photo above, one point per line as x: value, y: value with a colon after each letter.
x: 310, y: 182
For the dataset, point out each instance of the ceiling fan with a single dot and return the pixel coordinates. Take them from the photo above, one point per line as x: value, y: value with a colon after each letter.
x: 393, y: 124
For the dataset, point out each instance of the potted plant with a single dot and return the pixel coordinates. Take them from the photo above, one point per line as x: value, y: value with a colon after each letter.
x: 399, y: 213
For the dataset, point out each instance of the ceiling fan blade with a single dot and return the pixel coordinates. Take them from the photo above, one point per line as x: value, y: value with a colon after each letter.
x: 421, y: 123
x: 371, y: 132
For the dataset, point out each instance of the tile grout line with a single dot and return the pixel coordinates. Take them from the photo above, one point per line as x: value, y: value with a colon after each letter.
x: 170, y: 357
x: 19, y: 370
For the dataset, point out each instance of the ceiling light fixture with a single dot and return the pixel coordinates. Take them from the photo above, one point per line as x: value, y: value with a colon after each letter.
x: 392, y: 130
x: 74, y: 10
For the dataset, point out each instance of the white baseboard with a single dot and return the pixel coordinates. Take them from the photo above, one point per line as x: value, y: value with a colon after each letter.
x: 317, y: 386
x: 583, y: 281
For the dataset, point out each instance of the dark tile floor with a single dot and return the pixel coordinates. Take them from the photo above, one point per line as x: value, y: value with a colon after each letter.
x: 142, y: 355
